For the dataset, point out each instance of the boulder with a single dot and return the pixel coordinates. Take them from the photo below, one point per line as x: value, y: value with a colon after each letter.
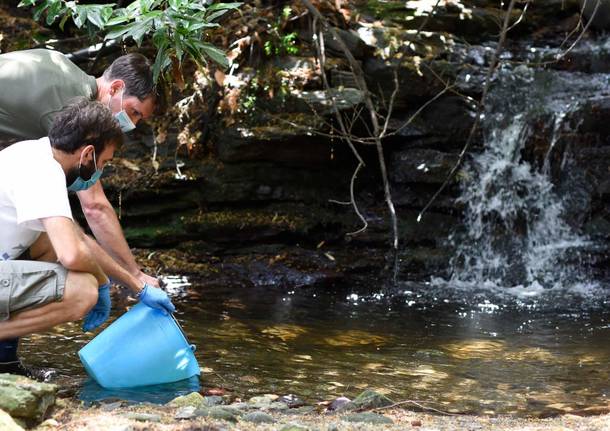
x: 26, y: 399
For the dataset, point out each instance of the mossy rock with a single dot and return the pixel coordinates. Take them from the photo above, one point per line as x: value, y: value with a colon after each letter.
x: 194, y: 399
x: 25, y: 399
x: 368, y: 399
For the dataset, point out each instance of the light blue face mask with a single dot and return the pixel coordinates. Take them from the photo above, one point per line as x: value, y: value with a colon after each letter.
x: 124, y: 121
x: 80, y: 184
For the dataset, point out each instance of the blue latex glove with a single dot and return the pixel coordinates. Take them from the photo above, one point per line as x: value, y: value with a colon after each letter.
x: 156, y: 298
x: 100, y: 311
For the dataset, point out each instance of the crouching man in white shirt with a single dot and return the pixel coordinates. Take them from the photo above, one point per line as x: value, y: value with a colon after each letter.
x: 50, y: 272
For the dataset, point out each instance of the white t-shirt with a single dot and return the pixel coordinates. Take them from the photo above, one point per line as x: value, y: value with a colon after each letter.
x: 32, y: 187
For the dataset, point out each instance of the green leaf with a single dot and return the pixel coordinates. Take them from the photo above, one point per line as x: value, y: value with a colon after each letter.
x: 65, y: 18
x: 117, y: 20
x: 162, y: 62
x: 217, y: 14
x: 215, y: 54
x: 119, y: 31
x: 55, y: 9
x: 26, y: 3
x: 219, y: 6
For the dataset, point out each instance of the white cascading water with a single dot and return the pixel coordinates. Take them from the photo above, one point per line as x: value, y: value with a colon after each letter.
x: 514, y: 232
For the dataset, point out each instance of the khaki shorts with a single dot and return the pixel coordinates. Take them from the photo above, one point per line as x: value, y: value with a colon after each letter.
x: 26, y: 284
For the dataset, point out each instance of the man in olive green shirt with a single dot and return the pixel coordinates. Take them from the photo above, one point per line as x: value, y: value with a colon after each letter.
x: 36, y: 84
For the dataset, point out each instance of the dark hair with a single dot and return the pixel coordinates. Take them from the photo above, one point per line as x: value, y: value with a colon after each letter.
x: 135, y: 71
x: 85, y: 122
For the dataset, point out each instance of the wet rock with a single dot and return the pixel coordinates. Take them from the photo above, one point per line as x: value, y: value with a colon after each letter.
x: 7, y: 423
x: 25, y: 399
x: 368, y: 399
x: 194, y: 399
x: 339, y: 403
x: 142, y: 417
x: 292, y: 401
x: 368, y: 418
x: 258, y: 418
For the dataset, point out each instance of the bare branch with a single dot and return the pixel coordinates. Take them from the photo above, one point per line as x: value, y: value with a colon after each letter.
x: 391, y: 107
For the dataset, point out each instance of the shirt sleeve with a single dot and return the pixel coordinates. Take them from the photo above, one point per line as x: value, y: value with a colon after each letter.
x: 41, y: 193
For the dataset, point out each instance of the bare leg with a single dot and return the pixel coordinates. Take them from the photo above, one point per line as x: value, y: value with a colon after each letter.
x: 80, y: 295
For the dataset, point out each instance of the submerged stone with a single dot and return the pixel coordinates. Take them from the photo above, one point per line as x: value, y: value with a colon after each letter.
x: 369, y: 418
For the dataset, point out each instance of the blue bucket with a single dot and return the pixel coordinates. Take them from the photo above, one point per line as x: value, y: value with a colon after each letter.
x: 143, y: 347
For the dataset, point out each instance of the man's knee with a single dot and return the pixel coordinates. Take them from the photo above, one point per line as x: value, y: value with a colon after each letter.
x: 80, y: 294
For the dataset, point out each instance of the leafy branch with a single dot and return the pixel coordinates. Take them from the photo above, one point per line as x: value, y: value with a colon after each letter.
x: 177, y: 28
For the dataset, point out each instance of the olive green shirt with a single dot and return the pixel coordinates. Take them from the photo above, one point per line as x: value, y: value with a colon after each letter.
x: 34, y: 86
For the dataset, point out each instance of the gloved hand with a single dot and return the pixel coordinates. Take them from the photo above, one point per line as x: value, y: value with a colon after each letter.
x: 100, y: 311
x: 156, y: 298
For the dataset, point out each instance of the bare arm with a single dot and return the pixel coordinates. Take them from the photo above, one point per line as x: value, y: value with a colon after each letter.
x: 71, y: 250
x: 107, y: 230
x: 111, y: 267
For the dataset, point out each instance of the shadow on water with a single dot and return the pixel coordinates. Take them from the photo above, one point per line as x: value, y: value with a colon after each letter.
x: 527, y: 352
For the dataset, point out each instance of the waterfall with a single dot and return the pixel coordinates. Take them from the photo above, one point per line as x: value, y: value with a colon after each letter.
x: 514, y: 230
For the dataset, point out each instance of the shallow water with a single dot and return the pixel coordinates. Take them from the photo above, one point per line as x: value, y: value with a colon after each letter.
x: 459, y: 349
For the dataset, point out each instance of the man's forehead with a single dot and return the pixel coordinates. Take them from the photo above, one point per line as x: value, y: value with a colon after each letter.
x: 146, y: 107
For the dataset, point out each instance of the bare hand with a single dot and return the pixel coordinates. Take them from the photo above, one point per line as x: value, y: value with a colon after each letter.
x: 147, y: 279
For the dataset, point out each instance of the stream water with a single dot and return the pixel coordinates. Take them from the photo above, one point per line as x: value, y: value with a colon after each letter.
x: 528, y: 351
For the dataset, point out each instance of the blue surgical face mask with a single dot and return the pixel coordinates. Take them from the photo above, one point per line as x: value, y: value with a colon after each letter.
x: 81, y: 184
x: 124, y: 121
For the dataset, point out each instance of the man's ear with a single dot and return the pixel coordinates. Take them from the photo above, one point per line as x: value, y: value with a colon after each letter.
x: 89, y: 151
x: 116, y: 86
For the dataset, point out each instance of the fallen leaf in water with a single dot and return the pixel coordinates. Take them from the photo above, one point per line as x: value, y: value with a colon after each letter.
x: 284, y: 332
x: 355, y: 338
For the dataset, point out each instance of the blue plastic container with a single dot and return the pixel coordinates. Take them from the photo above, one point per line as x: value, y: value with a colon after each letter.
x: 143, y: 347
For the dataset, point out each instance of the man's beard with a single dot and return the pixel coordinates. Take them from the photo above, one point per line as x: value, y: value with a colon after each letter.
x: 85, y: 172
